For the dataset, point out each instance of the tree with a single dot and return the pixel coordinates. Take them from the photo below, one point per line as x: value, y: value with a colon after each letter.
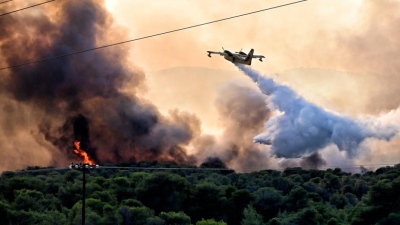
x: 122, y: 188
x: 163, y: 191
x: 95, y: 204
x: 19, y: 183
x: 306, y: 216
x: 331, y: 182
x: 4, y: 213
x: 175, y: 218
x: 155, y: 221
x: 268, y: 202
x: 28, y: 199
x: 210, y: 222
x: 393, y: 218
x: 207, y: 201
x: 297, y: 199
x: 338, y: 200
x: 282, y: 184
x: 110, y: 217
x: 251, y: 217
x: 383, y: 199
x: 238, y: 200
x: 135, y: 215
x: 53, y: 218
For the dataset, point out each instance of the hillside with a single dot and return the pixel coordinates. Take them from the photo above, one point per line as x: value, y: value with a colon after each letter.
x: 152, y: 193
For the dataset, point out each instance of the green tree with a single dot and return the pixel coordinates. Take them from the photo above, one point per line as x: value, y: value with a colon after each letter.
x: 251, y: 217
x: 122, y: 188
x: 4, y: 213
x: 175, y: 218
x: 331, y: 182
x: 393, y: 218
x: 238, y: 200
x: 163, y: 192
x: 268, y: 202
x: 338, y: 200
x: 53, y: 218
x: 70, y: 194
x: 95, y: 205
x: 297, y: 199
x: 383, y: 199
x: 304, y: 217
x: 18, y: 183
x: 135, y: 215
x: 207, y: 201
x: 71, y: 175
x: 107, y: 196
x: 28, y: 199
x: 155, y: 221
x: 110, y: 216
x: 282, y: 184
x: 210, y: 222
x: 361, y: 188
x: 22, y: 217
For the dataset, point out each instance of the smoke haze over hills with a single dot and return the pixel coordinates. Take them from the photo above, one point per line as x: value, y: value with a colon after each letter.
x: 122, y: 127
x: 196, y: 113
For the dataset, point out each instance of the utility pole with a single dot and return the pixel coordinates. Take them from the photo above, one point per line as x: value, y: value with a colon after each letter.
x: 83, y: 167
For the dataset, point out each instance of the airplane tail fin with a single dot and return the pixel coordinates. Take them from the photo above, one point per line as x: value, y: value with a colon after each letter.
x: 249, y: 57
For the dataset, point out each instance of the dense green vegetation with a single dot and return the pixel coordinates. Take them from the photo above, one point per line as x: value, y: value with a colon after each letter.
x: 201, y: 196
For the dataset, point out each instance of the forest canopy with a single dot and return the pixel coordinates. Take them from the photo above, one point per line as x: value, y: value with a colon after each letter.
x: 148, y: 193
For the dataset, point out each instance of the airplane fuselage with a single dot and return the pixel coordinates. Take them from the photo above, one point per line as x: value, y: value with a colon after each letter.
x: 238, y: 57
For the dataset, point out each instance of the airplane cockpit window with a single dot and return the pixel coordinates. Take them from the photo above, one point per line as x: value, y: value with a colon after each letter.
x: 228, y: 52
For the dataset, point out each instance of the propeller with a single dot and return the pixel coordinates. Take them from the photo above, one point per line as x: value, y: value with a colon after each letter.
x: 239, y: 51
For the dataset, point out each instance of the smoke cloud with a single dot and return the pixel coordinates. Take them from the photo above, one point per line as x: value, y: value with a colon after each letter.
x: 241, y: 111
x: 301, y: 128
x: 81, y: 97
x: 313, y: 161
x: 45, y: 107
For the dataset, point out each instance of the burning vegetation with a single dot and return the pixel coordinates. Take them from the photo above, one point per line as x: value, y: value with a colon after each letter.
x: 85, y: 157
x: 123, y: 127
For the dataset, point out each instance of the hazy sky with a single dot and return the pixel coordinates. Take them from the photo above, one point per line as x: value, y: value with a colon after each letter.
x: 341, y: 55
x: 287, y: 36
x: 345, y: 37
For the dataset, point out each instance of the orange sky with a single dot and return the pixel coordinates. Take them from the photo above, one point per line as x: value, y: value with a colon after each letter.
x: 342, y: 55
x: 335, y: 53
x: 285, y: 35
x: 341, y: 36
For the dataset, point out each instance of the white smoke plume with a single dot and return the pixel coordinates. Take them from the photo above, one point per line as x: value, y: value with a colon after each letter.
x: 302, y: 128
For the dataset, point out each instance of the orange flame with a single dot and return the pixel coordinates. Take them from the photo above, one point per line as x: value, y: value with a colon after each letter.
x: 81, y: 152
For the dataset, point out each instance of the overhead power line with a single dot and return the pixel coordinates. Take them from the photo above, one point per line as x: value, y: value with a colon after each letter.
x: 5, y: 1
x: 28, y: 7
x: 255, y: 169
x: 145, y: 37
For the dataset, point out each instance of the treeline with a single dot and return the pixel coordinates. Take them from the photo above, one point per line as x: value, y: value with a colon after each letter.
x: 200, y: 196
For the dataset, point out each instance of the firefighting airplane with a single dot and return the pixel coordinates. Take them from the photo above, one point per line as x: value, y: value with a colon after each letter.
x: 238, y: 57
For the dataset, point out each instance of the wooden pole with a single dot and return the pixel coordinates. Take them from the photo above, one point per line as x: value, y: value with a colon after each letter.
x: 83, y: 193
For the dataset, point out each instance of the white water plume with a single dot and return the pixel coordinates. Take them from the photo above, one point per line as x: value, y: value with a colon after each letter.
x: 301, y: 128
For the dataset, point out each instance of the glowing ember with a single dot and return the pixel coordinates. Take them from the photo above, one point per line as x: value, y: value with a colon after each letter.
x: 82, y: 153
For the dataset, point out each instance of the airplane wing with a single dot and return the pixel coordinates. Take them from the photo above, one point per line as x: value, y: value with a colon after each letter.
x: 259, y: 57
x: 212, y: 52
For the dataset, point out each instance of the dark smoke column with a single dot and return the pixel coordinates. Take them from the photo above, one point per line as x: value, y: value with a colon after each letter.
x: 123, y: 128
x: 81, y: 131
